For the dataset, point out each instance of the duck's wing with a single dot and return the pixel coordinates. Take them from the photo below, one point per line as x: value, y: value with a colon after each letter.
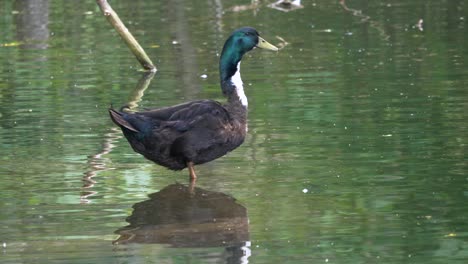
x: 165, y: 113
x: 197, y: 131
x: 132, y: 122
x: 119, y: 119
x: 182, y: 117
x: 205, y: 132
x: 207, y: 115
x: 200, y: 109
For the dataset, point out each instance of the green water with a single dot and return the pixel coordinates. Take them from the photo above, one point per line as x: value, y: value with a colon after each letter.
x: 356, y: 151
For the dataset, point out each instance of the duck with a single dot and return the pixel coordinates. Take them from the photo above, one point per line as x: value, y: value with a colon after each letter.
x: 196, y: 132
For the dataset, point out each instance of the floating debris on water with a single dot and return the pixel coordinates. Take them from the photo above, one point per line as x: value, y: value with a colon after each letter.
x: 286, y: 5
x: 419, y: 25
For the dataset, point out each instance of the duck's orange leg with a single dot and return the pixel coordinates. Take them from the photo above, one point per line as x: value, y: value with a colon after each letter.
x: 191, y: 169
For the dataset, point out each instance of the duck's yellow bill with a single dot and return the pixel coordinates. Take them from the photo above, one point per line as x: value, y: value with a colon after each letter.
x: 263, y: 44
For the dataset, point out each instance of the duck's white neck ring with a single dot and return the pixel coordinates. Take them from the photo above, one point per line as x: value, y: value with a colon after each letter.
x: 237, y: 81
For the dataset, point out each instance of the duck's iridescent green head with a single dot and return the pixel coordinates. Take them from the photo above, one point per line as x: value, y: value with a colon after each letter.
x: 241, y: 41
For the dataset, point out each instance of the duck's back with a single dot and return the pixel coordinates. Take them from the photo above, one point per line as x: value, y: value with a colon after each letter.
x: 198, y: 131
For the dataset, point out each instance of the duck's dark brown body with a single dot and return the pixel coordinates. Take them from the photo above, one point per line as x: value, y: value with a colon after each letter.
x: 198, y: 132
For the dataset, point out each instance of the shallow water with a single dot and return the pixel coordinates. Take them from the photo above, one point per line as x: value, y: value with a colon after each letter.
x: 356, y: 151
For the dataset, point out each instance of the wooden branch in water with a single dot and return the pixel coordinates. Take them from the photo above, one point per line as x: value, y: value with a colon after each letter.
x: 139, y: 90
x: 131, y: 42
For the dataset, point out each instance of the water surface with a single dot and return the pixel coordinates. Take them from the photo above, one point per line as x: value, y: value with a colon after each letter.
x: 356, y: 151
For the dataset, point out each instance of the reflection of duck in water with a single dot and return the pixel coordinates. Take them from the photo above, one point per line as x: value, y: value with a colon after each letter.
x: 196, y: 132
x: 184, y: 217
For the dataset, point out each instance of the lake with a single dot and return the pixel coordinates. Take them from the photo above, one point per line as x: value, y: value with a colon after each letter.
x: 356, y: 150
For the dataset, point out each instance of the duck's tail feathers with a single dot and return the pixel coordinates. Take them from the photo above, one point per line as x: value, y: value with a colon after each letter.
x: 119, y: 120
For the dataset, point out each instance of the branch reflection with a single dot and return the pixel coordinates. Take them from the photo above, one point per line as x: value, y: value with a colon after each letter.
x: 96, y: 162
x: 366, y: 19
